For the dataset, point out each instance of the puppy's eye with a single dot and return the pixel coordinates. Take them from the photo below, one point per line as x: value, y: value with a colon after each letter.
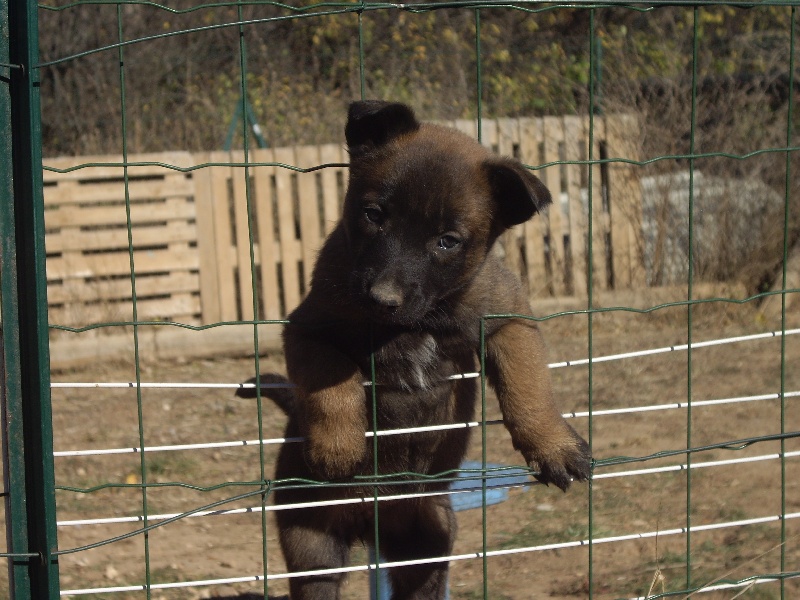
x: 448, y: 242
x: 374, y: 214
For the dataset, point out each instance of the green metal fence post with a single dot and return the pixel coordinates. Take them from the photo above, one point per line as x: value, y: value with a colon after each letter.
x: 27, y: 419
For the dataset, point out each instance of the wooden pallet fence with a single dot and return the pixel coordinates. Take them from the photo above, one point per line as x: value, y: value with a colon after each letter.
x: 286, y: 214
x: 232, y: 240
x: 88, y: 240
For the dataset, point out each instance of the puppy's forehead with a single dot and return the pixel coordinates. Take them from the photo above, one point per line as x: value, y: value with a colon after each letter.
x: 437, y: 172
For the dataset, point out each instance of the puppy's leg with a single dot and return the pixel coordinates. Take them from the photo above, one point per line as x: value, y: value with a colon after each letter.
x: 310, y: 545
x: 418, y: 529
x: 517, y: 368
x: 330, y: 404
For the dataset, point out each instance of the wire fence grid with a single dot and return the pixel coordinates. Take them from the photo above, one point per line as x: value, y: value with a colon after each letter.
x: 102, y: 506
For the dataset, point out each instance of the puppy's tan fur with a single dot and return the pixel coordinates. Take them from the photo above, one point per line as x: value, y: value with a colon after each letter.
x: 403, y: 281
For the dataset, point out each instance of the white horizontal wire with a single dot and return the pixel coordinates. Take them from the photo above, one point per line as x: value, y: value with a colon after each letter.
x: 452, y: 558
x: 673, y: 405
x: 567, y: 363
x: 365, y: 500
x: 239, y: 443
x: 678, y: 347
x: 194, y: 385
x: 429, y: 428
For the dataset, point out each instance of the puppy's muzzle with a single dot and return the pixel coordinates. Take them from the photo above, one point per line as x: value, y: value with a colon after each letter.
x: 386, y: 295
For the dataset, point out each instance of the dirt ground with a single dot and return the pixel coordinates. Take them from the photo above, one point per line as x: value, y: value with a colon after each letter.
x: 230, y: 546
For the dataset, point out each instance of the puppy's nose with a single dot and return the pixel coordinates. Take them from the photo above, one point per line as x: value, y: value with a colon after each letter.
x: 386, y: 293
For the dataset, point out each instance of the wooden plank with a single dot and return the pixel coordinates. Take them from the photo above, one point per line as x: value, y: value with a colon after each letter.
x: 599, y: 215
x: 223, y: 240
x: 508, y: 136
x: 534, y: 230
x: 553, y: 134
x: 80, y: 315
x: 98, y: 192
x: 109, y: 312
x: 206, y: 234
x: 118, y: 263
x: 115, y: 239
x: 115, y: 289
x: 625, y: 200
x: 574, y: 141
x: 308, y: 192
x: 174, y: 308
x: 489, y: 133
x: 331, y: 202
x: 290, y: 253
x: 467, y: 126
x: 175, y: 209
x: 69, y: 258
x: 242, y: 227
x: 267, y: 251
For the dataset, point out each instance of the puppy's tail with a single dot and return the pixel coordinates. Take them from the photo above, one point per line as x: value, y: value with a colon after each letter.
x: 273, y: 386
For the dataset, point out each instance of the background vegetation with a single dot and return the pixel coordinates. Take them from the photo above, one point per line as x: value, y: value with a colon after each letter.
x: 181, y: 91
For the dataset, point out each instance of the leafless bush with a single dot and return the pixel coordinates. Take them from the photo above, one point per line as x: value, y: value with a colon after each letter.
x: 731, y: 125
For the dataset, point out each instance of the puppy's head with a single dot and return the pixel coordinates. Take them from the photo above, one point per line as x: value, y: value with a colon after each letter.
x: 424, y: 205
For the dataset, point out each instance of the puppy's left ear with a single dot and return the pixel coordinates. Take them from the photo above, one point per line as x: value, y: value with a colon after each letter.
x: 373, y: 123
x: 518, y: 194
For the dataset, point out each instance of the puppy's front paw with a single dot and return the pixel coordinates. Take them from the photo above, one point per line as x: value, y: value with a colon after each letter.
x: 561, y: 460
x: 335, y: 454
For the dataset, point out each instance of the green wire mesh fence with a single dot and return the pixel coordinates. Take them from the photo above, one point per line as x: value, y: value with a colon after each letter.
x: 139, y: 477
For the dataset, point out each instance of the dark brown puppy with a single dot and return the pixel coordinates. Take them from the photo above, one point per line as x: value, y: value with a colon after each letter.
x: 405, y: 277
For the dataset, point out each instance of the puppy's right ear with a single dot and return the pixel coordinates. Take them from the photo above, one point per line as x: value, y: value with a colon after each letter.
x: 373, y: 123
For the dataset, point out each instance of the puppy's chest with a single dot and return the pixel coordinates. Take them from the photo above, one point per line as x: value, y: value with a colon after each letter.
x: 414, y: 362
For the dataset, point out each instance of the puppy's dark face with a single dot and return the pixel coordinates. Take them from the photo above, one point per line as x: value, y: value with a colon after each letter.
x: 423, y: 208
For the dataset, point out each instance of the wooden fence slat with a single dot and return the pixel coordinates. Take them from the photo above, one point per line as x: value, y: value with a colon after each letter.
x: 242, y: 228
x: 114, y: 289
x: 489, y: 133
x: 267, y: 241
x: 466, y: 126
x: 309, y: 206
x: 507, y: 136
x: 169, y: 186
x: 534, y: 230
x: 118, y: 263
x: 176, y: 307
x: 330, y: 177
x: 223, y: 238
x: 116, y: 239
x: 185, y: 311
x: 173, y: 209
x: 574, y: 141
x: 209, y: 283
x: 290, y: 254
x: 599, y: 268
x: 553, y: 134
